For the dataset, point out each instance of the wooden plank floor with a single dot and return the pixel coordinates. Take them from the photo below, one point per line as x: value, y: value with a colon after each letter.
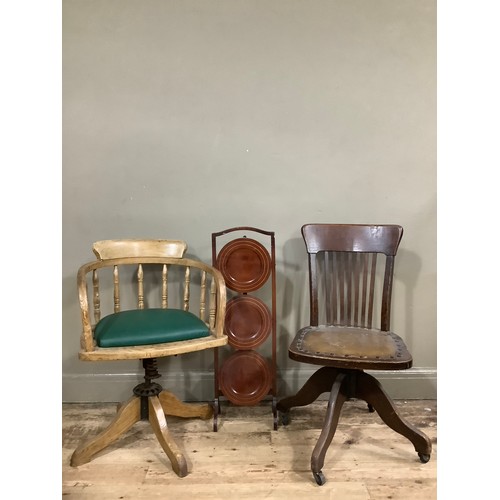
x: 246, y: 458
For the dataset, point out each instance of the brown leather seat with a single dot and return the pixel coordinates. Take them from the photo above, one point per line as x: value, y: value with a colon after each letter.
x: 348, y: 333
x: 344, y: 345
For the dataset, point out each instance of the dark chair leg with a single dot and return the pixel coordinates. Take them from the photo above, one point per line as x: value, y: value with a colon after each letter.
x: 275, y: 414
x: 369, y: 389
x: 319, y: 382
x: 216, y: 414
x: 338, y: 396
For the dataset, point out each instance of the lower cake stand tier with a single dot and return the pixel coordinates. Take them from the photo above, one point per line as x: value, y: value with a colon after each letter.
x: 245, y: 378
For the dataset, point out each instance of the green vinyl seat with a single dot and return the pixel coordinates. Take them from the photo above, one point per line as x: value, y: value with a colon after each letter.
x: 148, y: 326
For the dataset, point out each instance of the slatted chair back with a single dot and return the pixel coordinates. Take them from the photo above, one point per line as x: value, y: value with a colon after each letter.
x: 351, y: 270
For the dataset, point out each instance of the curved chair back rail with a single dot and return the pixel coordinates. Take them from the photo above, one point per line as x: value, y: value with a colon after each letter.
x: 198, y: 288
x: 112, y: 249
x: 376, y: 238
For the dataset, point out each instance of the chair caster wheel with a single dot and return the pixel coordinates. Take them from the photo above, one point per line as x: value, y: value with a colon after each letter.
x: 285, y: 418
x: 319, y: 478
x: 424, y: 458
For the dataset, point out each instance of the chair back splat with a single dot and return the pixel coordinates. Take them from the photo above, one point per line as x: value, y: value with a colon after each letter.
x: 343, y: 265
x: 351, y: 270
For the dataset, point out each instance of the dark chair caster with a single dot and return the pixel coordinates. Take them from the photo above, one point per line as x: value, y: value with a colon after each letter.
x: 424, y: 458
x: 371, y: 409
x: 319, y: 478
x: 285, y: 418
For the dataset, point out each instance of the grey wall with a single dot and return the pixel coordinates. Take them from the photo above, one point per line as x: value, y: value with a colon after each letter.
x: 181, y: 118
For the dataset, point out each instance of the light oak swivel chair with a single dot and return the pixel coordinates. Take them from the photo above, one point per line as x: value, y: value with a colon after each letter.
x: 158, y: 304
x: 345, y: 337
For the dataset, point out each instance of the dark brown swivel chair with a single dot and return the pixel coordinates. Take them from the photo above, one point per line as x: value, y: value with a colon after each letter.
x: 344, y: 335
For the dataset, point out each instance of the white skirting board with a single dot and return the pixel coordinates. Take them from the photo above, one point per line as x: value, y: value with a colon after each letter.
x: 415, y: 383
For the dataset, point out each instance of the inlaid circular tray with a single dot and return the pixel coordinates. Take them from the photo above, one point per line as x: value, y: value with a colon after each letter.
x: 245, y: 378
x: 247, y: 323
x: 245, y: 264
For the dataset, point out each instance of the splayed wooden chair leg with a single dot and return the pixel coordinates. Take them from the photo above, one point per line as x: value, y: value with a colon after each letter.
x: 338, y: 395
x: 128, y: 414
x: 173, y: 406
x: 319, y: 382
x: 159, y: 425
x: 370, y: 389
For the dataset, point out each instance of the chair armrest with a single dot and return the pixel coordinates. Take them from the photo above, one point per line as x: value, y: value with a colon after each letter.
x: 212, y: 291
